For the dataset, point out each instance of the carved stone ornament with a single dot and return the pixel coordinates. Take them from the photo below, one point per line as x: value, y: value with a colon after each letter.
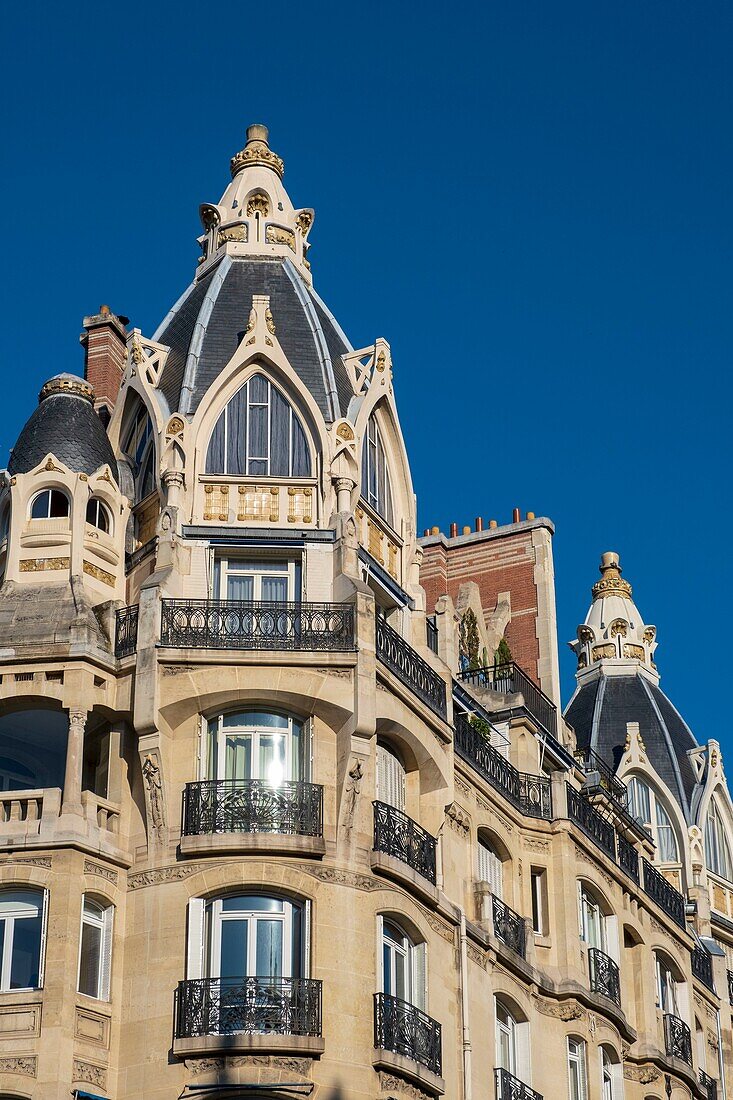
x: 86, y: 1071
x: 645, y: 1075
x: 103, y: 872
x: 344, y: 878
x: 304, y: 221
x: 532, y: 844
x: 154, y: 790
x: 26, y: 1066
x: 388, y: 1082
x: 353, y: 790
x: 269, y: 321
x: 561, y: 1010
x: 34, y: 861
x: 175, y: 426
x: 345, y: 432
x: 162, y: 875
x: 462, y: 786
x: 258, y: 204
x: 443, y: 930
x: 197, y: 1066
x: 458, y: 819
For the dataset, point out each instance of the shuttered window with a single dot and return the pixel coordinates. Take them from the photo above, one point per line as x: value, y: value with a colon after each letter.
x: 577, y: 1074
x: 390, y: 778
x: 490, y: 868
x: 95, y: 949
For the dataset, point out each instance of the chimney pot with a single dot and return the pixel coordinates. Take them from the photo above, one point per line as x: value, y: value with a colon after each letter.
x: 479, y: 523
x: 426, y: 532
x: 515, y: 516
x: 493, y: 524
x: 453, y: 530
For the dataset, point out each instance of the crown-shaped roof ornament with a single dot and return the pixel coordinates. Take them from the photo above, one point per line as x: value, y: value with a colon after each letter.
x: 611, y: 582
x: 257, y: 151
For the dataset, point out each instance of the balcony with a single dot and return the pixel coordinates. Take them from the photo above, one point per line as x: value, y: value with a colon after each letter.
x: 509, y: 927
x: 261, y: 625
x: 126, y: 619
x: 664, y: 894
x: 509, y: 1087
x: 410, y: 669
x: 604, y: 975
x: 238, y: 815
x: 248, y: 1013
x: 677, y: 1041
x: 591, y: 762
x: 593, y: 824
x: 401, y: 1028
x: 709, y: 1085
x: 702, y: 966
x: 529, y: 793
x: 401, y: 839
x: 628, y: 858
x: 510, y: 679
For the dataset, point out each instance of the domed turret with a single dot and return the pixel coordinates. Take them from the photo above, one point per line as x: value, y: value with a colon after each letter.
x: 618, y: 685
x: 64, y: 424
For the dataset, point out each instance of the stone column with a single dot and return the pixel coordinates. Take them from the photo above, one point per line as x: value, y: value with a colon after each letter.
x: 344, y: 488
x: 71, y: 803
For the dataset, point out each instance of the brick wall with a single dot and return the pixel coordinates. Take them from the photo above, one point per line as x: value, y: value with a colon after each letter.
x: 500, y: 560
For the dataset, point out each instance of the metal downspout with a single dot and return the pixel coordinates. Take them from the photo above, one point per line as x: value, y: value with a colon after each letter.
x: 466, y: 1043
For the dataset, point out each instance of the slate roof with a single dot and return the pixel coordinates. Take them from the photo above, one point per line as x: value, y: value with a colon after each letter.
x: 66, y: 425
x: 600, y: 709
x: 206, y: 326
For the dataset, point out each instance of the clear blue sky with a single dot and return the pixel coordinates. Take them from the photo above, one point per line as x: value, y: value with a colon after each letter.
x: 531, y: 201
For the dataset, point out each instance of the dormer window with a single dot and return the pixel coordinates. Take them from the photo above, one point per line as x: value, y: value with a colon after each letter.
x: 97, y: 515
x: 50, y: 504
x: 649, y: 811
x: 375, y: 483
x: 139, y: 446
x: 258, y: 434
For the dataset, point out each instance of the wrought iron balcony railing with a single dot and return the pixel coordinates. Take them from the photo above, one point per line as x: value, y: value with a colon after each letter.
x: 398, y: 835
x: 509, y: 927
x: 226, y: 1006
x: 628, y: 858
x: 409, y: 667
x: 126, y: 630
x: 663, y: 893
x: 251, y: 806
x: 730, y: 987
x: 604, y: 975
x: 677, y: 1040
x: 702, y: 966
x: 405, y: 1030
x: 529, y: 793
x: 591, y: 822
x: 510, y: 679
x: 242, y: 624
x: 710, y: 1086
x: 590, y: 761
x: 509, y: 1087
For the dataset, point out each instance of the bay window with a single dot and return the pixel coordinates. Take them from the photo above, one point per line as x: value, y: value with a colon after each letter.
x: 275, y: 581
x: 256, y: 745
x: 649, y: 811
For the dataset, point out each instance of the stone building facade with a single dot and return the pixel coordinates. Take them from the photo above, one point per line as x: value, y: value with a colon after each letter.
x: 282, y: 816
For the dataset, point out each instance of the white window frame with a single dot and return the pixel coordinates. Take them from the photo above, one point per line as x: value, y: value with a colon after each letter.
x: 490, y: 867
x: 577, y: 1068
x: 668, y: 994
x: 104, y: 924
x: 218, y: 917
x: 254, y: 732
x: 717, y: 847
x: 10, y: 916
x: 415, y: 955
x: 101, y: 509
x: 591, y: 919
x: 657, y: 811
x: 237, y: 566
x: 538, y: 881
x: 506, y: 1030
x: 375, y: 440
x: 267, y: 404
x: 49, y: 492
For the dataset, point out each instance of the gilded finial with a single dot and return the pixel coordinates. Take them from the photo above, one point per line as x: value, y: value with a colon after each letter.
x: 257, y: 151
x: 611, y: 582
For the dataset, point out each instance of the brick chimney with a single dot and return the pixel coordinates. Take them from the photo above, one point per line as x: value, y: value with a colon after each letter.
x: 105, y: 352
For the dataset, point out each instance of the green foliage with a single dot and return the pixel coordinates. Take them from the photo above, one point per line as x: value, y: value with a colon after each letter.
x: 503, y: 655
x: 470, y: 638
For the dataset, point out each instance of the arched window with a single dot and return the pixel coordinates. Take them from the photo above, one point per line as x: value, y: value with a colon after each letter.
x: 22, y: 915
x: 717, y: 848
x: 391, y: 777
x: 247, y: 954
x: 577, y: 1071
x: 95, y: 949
x: 649, y: 811
x: 4, y: 523
x: 592, y: 919
x: 33, y: 749
x: 506, y: 1039
x: 50, y: 504
x: 97, y: 514
x: 375, y: 483
x: 257, y: 745
x: 402, y: 965
x: 668, y: 997
x: 258, y: 434
x: 139, y: 446
x: 490, y: 866
x: 611, y: 1075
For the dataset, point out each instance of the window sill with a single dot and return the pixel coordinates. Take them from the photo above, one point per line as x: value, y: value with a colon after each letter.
x: 240, y: 1043
x: 411, y: 1071
x: 270, y: 843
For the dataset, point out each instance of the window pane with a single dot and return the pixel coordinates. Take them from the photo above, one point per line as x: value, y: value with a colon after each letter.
x: 269, y: 948
x: 279, y: 436
x: 252, y: 718
x: 91, y: 950
x: 401, y: 989
x: 233, y: 959
x: 238, y: 758
x: 258, y: 388
x: 274, y: 589
x: 26, y: 953
x: 251, y: 902
x: 236, y: 412
x: 41, y: 506
x: 272, y: 759
x: 240, y: 587
x: 215, y: 453
x: 257, y: 432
